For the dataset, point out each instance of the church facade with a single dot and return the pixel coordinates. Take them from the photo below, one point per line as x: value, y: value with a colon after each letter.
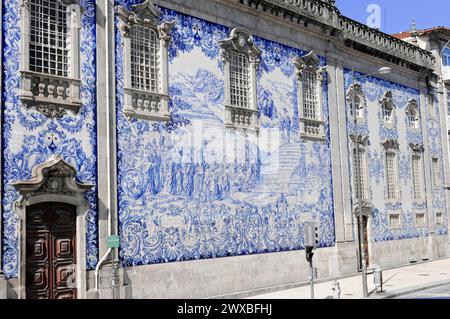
x: 205, y: 135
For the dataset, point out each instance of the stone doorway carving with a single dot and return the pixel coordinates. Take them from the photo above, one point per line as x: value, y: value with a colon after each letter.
x: 54, y: 181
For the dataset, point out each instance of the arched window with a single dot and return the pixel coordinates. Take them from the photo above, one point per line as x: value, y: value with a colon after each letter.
x: 241, y: 61
x: 145, y: 53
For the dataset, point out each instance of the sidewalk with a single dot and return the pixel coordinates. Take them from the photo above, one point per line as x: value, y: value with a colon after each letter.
x: 398, y: 280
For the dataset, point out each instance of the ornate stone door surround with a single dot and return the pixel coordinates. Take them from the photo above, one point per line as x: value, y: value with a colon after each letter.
x: 54, y: 181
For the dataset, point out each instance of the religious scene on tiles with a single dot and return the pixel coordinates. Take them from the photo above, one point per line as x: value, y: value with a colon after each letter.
x: 184, y: 195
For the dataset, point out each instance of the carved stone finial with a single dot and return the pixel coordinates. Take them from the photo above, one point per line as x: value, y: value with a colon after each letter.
x: 417, y: 148
x: 240, y: 40
x: 391, y: 145
x: 309, y: 61
x: 164, y: 32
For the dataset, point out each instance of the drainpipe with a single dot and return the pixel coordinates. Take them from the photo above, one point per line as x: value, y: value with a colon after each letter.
x: 108, y: 144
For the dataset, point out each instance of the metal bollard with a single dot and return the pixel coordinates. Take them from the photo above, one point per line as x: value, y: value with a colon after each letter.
x: 336, y: 290
x: 378, y: 279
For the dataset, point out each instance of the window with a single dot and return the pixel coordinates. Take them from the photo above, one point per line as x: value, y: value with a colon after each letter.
x: 144, y: 59
x: 387, y: 113
x: 48, y: 38
x: 361, y: 174
x: 358, y: 106
x: 436, y: 173
x: 417, y: 177
x: 309, y: 82
x: 241, y: 61
x: 50, y: 59
x: 420, y: 219
x: 391, y: 176
x: 387, y: 108
x: 239, y: 79
x: 310, y: 76
x: 394, y: 220
x: 145, y: 44
x: 412, y: 112
x: 439, y: 219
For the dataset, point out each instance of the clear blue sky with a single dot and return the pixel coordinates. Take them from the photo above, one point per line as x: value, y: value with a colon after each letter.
x: 396, y: 15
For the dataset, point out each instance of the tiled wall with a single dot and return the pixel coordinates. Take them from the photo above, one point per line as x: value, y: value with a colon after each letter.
x: 29, y: 138
x: 181, y: 194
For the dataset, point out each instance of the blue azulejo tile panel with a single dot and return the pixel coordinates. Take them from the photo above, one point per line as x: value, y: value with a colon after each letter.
x: 191, y: 189
x: 374, y: 128
x: 29, y: 138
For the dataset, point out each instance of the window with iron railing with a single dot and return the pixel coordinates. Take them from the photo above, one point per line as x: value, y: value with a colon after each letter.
x: 417, y: 177
x: 50, y: 56
x: 48, y: 37
x: 144, y: 59
x: 239, y: 79
x: 361, y: 190
x: 436, y: 173
x: 391, y: 176
x: 309, y: 81
x: 145, y: 41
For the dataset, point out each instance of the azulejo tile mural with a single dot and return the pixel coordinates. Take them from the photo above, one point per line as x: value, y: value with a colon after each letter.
x: 29, y: 138
x: 191, y: 189
x: 374, y: 89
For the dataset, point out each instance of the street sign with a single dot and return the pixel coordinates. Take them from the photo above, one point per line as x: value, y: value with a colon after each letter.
x: 113, y: 241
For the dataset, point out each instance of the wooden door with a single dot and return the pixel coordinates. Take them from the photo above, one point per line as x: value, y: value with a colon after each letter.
x: 50, y: 251
x: 366, y: 242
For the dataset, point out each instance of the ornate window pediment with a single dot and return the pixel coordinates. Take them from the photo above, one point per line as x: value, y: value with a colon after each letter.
x: 310, y: 76
x: 241, y: 60
x: 145, y: 52
x: 391, y: 145
x: 416, y: 148
x: 50, y: 60
x: 388, y: 109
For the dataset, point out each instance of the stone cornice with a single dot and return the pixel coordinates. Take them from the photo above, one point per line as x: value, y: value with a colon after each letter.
x: 356, y: 35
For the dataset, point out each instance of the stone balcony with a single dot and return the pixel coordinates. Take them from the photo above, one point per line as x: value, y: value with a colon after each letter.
x: 312, y: 129
x: 146, y: 105
x: 241, y: 118
x: 50, y: 94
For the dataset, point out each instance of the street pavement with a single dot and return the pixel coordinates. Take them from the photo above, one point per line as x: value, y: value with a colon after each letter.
x: 398, y: 282
x: 441, y: 292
